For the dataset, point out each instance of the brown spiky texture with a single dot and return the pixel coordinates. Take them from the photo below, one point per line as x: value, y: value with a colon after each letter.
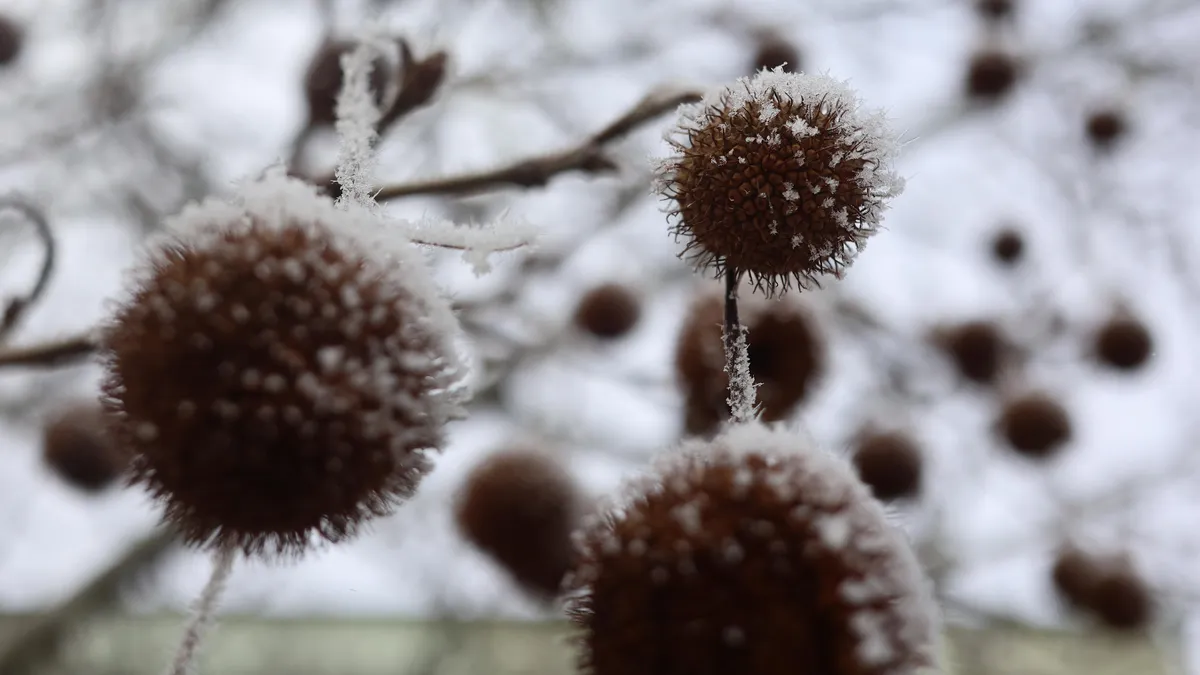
x: 752, y: 553
x: 1110, y: 590
x: 1035, y: 425
x: 786, y: 359
x: 772, y: 51
x: 608, y: 311
x: 1105, y: 127
x: 995, y: 11
x: 323, y: 80
x: 889, y: 463
x: 519, y: 506
x: 780, y: 177
x: 991, y: 76
x: 12, y: 40
x: 76, y: 446
x: 1008, y: 247
x: 280, y: 369
x: 1123, y: 343
x: 976, y: 348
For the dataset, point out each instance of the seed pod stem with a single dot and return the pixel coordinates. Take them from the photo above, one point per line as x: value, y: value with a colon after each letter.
x: 737, y: 355
x: 202, y: 614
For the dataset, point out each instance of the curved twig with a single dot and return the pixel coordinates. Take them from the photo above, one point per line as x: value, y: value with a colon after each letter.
x: 16, y: 308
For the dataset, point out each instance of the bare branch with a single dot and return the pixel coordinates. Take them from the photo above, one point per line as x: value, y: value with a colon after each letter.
x: 16, y: 308
x: 588, y: 157
x: 50, y: 354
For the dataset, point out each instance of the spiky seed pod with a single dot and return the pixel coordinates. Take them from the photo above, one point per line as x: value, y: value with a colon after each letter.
x: 1008, y: 246
x: 608, y: 311
x: 12, y: 39
x: 786, y: 358
x: 1104, y: 128
x: 1035, y: 425
x: 995, y: 11
x: 323, y: 80
x: 1121, y: 600
x: 976, y: 348
x: 781, y: 176
x: 520, y: 507
x: 1123, y: 343
x: 76, y: 446
x: 752, y: 553
x: 1075, y: 575
x: 774, y: 52
x: 280, y: 369
x: 991, y: 76
x: 890, y: 464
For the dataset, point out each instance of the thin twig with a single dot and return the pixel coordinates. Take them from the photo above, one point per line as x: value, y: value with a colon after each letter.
x: 15, y: 311
x: 588, y: 157
x: 204, y: 612
x: 50, y: 354
x: 38, y: 644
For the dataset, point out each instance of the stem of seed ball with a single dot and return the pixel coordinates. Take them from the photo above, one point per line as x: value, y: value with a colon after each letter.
x: 737, y: 356
x: 203, y: 613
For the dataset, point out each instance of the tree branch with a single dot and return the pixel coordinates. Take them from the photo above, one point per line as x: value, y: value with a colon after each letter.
x: 50, y: 354
x: 588, y: 157
x: 16, y: 308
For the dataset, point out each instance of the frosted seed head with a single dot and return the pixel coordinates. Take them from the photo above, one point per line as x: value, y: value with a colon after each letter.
x: 889, y: 463
x: 520, y: 506
x: 809, y: 131
x: 239, y: 468
x: 777, y: 560
x: 77, y: 447
x: 1034, y: 425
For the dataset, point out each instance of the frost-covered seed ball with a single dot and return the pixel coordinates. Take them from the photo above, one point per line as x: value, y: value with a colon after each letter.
x: 277, y: 372
x: 519, y: 506
x: 1007, y: 247
x: 781, y: 177
x: 991, y: 76
x: 1035, y: 425
x: 1123, y: 343
x: 890, y: 464
x: 76, y: 446
x: 1105, y: 127
x: 752, y: 553
x: 608, y: 311
x: 12, y: 39
x: 976, y: 348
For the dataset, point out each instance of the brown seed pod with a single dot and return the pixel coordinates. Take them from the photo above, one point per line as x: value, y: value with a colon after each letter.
x: 1008, y: 247
x: 1123, y: 343
x: 1104, y: 128
x: 890, y: 464
x: 752, y: 553
x: 520, y: 507
x: 991, y: 76
x: 976, y: 348
x: 76, y: 446
x: 1121, y: 600
x: 780, y: 177
x: 786, y: 359
x: 1035, y: 425
x: 608, y: 311
x: 12, y: 40
x: 774, y: 52
x: 1075, y: 575
x: 995, y: 11
x: 323, y: 80
x: 279, y: 370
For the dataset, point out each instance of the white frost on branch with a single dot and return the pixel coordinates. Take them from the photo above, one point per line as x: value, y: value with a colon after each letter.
x: 477, y: 242
x: 357, y: 117
x: 742, y: 387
